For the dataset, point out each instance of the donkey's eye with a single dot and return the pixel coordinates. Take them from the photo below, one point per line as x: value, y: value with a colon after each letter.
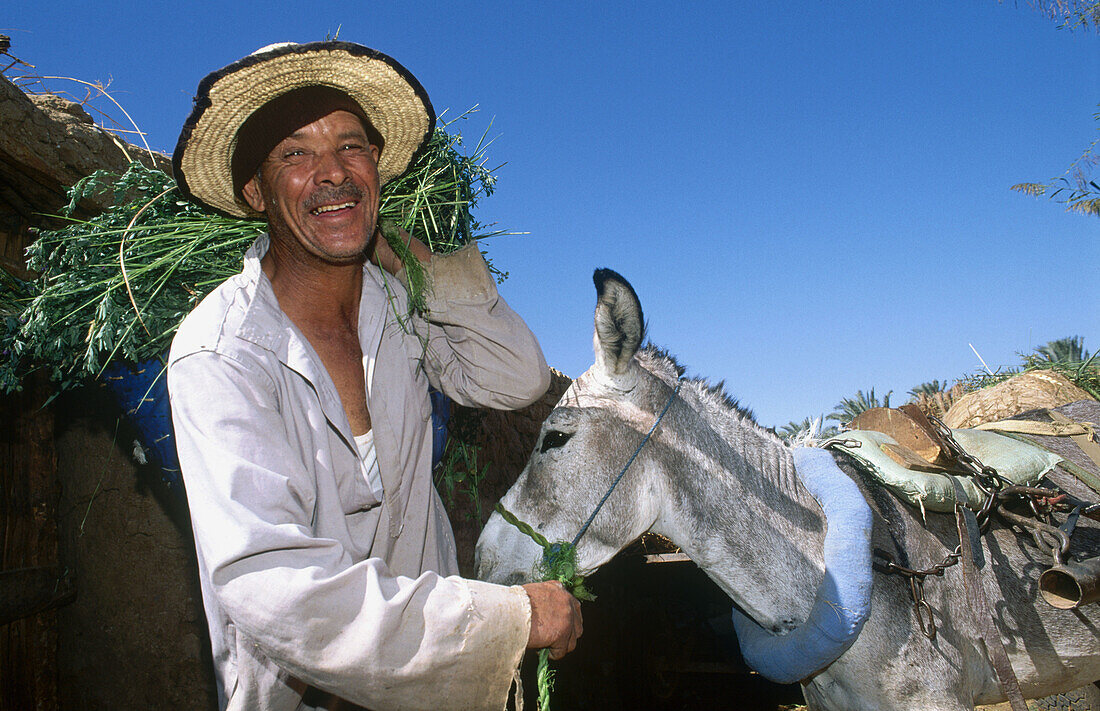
x: 554, y: 439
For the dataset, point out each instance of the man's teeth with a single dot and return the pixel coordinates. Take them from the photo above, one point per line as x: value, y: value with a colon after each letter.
x: 330, y: 208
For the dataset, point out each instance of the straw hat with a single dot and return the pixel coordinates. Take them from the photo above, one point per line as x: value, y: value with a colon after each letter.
x: 390, y: 97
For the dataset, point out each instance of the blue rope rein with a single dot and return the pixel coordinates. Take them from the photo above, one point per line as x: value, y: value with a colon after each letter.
x: 559, y: 559
x: 630, y: 461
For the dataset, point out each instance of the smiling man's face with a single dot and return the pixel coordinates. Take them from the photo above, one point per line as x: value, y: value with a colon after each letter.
x: 319, y: 190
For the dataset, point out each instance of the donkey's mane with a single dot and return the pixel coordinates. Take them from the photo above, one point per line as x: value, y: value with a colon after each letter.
x: 758, y: 448
x: 660, y: 362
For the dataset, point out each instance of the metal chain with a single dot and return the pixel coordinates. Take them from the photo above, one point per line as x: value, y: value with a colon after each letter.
x: 1045, y: 536
x: 916, y: 584
x: 986, y: 478
x: 997, y: 487
x: 996, y: 490
x: 990, y: 483
x: 890, y: 566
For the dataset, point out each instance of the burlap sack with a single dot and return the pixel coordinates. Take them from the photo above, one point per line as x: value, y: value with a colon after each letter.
x: 1027, y: 391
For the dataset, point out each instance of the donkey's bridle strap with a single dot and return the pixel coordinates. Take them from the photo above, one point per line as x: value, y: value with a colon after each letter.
x: 628, y: 463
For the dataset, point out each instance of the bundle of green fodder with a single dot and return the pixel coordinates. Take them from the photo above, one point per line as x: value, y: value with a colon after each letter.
x: 116, y: 287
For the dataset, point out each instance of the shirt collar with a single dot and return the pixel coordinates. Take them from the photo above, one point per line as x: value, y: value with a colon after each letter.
x: 265, y: 324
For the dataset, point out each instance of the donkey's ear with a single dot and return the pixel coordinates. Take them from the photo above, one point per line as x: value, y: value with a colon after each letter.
x: 620, y: 325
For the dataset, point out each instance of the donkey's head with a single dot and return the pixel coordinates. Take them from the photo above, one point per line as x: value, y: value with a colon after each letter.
x: 584, y: 444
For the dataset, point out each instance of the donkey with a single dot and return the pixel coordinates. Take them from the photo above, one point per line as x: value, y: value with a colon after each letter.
x: 725, y: 491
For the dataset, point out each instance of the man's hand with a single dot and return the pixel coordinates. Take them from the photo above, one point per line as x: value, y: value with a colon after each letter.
x: 383, y: 255
x: 555, y: 618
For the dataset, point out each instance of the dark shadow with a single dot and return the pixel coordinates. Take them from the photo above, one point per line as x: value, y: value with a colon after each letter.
x: 658, y: 637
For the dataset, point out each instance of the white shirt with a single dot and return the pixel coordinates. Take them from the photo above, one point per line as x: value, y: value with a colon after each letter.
x: 308, y: 582
x: 365, y: 444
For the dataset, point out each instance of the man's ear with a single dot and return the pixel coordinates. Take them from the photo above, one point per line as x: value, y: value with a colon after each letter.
x: 252, y: 193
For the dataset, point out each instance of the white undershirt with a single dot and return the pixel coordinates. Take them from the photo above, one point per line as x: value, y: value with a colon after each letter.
x: 369, y: 463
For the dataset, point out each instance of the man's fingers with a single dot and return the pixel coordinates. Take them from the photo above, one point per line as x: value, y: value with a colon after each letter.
x: 578, y: 625
x: 555, y: 618
x: 570, y: 641
x: 557, y: 653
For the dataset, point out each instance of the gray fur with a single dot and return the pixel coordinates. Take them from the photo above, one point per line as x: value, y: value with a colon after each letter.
x: 620, y: 325
x: 724, y: 490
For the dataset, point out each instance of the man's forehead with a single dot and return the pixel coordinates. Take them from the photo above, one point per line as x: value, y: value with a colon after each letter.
x: 343, y: 124
x: 271, y: 124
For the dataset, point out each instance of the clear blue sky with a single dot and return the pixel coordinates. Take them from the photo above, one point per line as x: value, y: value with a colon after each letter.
x: 810, y: 198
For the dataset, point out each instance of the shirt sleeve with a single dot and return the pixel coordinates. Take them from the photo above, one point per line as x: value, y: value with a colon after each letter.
x: 475, y: 348
x: 349, y: 628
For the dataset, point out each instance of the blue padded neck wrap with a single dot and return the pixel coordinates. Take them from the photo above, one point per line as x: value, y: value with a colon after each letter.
x: 843, y: 600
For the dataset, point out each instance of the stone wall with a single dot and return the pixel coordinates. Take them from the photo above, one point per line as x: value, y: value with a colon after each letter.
x: 30, y: 577
x: 123, y: 626
x: 46, y: 145
x: 135, y: 635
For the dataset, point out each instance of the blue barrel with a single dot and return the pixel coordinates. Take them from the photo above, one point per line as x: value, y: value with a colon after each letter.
x: 141, y: 392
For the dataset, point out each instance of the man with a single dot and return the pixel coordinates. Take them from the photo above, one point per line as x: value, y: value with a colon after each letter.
x: 299, y: 398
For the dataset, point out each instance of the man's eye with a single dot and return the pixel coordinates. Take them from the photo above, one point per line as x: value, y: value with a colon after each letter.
x: 294, y: 153
x: 554, y: 439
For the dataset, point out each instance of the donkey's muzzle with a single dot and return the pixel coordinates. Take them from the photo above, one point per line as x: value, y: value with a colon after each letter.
x: 1071, y: 585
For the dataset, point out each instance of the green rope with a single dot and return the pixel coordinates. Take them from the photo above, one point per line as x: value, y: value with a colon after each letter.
x: 544, y: 678
x: 559, y: 562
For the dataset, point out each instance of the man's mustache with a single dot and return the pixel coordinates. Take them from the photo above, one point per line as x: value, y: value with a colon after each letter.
x: 334, y: 194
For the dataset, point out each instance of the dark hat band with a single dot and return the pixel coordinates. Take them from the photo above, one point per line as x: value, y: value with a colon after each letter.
x: 282, y: 116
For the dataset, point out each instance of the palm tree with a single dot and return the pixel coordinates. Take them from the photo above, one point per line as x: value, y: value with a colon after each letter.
x: 1071, y: 13
x: 794, y: 429
x: 1064, y: 350
x: 850, y: 407
x: 929, y: 388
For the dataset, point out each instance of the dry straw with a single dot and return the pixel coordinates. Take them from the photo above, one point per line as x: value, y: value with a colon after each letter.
x: 1030, y: 390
